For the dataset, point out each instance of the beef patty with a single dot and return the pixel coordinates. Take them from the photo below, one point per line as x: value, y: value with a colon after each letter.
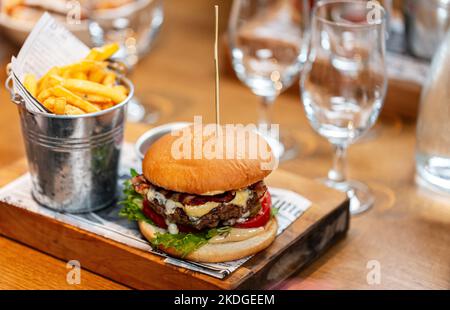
x: 224, y: 213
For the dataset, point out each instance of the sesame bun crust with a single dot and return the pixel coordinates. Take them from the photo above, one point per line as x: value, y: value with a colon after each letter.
x: 207, y: 176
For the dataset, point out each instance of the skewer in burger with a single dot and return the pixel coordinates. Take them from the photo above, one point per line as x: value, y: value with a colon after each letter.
x: 212, y: 209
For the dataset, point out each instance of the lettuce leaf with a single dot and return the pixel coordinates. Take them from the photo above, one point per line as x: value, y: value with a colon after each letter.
x: 185, y: 243
x: 274, y: 211
x: 132, y: 203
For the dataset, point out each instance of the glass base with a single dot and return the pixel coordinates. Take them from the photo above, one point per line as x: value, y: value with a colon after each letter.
x: 284, y: 149
x: 361, y: 197
x: 141, y: 113
x: 290, y: 146
x: 433, y: 172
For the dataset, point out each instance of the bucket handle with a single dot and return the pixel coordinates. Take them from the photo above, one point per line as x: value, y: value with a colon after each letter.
x: 35, y: 105
x: 15, y: 98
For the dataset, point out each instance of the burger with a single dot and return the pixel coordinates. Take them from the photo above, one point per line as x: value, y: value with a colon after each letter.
x: 207, y: 209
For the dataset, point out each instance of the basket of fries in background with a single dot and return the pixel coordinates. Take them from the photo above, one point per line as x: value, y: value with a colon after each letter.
x: 72, y: 118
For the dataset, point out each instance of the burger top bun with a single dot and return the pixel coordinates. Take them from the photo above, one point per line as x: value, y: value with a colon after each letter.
x: 221, y: 252
x: 171, y: 161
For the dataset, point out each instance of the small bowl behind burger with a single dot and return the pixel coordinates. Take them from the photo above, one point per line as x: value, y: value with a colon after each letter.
x: 150, y: 136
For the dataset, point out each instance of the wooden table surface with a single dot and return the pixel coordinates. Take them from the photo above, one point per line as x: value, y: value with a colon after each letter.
x: 407, y: 232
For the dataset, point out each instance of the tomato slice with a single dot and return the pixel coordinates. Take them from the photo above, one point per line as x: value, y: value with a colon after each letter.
x: 155, y: 217
x: 262, y: 217
x: 160, y: 221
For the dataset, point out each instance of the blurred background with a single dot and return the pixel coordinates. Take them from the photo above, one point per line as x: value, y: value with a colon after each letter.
x: 170, y: 42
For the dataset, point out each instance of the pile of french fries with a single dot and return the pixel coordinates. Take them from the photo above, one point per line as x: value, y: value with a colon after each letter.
x: 84, y: 87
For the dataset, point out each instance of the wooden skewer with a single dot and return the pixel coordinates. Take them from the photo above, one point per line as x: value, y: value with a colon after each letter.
x: 216, y: 63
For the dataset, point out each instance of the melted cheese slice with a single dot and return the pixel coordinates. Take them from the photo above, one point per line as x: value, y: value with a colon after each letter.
x: 240, y: 199
x: 199, y: 211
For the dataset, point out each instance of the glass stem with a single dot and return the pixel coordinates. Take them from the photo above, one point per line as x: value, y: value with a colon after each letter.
x: 265, y: 119
x: 338, y: 173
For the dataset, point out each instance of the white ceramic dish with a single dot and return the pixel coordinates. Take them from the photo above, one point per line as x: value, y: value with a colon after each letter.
x: 149, y: 137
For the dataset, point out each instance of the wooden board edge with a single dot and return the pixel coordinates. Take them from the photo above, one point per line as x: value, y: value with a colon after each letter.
x: 33, y: 233
x: 319, y: 238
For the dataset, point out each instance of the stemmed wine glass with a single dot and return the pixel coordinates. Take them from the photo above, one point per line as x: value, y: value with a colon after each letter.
x: 344, y: 82
x: 134, y: 25
x: 269, y: 42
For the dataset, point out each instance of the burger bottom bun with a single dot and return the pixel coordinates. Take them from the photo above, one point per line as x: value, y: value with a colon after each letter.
x: 221, y: 252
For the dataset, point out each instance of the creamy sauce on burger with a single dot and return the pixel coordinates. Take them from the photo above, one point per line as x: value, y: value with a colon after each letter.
x: 195, y: 212
x: 237, y: 234
x: 172, y: 228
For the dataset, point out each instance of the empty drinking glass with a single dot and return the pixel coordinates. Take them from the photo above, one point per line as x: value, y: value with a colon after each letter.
x: 133, y: 24
x: 268, y: 41
x: 433, y: 125
x: 344, y: 82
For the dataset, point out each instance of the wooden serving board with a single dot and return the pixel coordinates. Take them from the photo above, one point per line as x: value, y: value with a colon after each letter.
x: 325, y: 222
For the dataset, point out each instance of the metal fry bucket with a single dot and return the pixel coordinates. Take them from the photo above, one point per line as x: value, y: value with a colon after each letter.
x: 74, y: 159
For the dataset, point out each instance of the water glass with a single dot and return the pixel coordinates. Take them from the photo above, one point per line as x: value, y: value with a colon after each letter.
x: 433, y: 125
x: 134, y: 25
x: 344, y: 83
x: 268, y: 41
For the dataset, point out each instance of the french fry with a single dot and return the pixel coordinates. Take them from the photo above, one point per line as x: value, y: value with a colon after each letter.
x: 107, y: 51
x: 30, y: 83
x: 49, y: 103
x: 107, y: 105
x: 54, y: 80
x: 66, y: 74
x: 89, y: 87
x: 122, y: 89
x: 81, y: 69
x: 46, y: 93
x: 110, y: 79
x: 82, y: 66
x: 93, y: 54
x: 103, y: 106
x: 60, y: 105
x: 43, y: 82
x: 93, y: 98
x: 79, y: 75
x: 60, y: 91
x: 72, y: 110
x: 103, y: 53
x: 98, y: 106
x: 96, y: 75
